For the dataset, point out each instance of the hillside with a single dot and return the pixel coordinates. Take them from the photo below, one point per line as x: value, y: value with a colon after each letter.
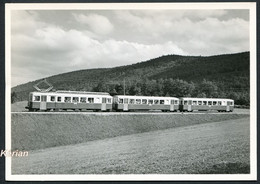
x: 212, y: 76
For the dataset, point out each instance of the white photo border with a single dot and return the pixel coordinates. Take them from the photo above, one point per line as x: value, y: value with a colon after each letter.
x: 251, y: 6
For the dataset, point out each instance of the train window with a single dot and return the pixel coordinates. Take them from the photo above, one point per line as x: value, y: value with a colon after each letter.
x: 210, y: 102
x: 231, y: 103
x: 150, y: 101
x: 126, y: 101
x: 52, y: 98
x: 167, y: 102
x: 120, y: 100
x: 204, y: 102
x: 90, y: 100
x: 219, y: 102
x: 109, y: 100
x: 185, y: 102
x: 104, y: 100
x: 194, y: 102
x: 189, y: 102
x: 67, y: 99
x: 172, y: 101
x: 44, y: 98
x: 176, y: 102
x: 214, y: 103
x: 156, y: 101
x: 138, y: 101
x: 37, y: 98
x: 132, y: 101
x: 161, y: 101
x: 199, y: 102
x: 75, y: 99
x: 58, y: 99
x: 144, y: 101
x: 83, y: 99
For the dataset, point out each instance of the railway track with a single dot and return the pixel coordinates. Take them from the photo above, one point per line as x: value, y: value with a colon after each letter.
x: 130, y: 113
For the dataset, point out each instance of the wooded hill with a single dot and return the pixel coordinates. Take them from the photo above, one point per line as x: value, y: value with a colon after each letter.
x: 222, y: 76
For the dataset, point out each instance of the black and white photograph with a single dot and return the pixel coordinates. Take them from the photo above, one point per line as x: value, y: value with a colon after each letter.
x: 130, y: 91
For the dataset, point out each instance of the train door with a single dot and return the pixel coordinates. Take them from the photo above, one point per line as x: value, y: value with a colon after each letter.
x: 189, y: 105
x: 228, y: 107
x: 43, y: 103
x: 104, y: 105
x: 125, y: 108
x: 172, y: 105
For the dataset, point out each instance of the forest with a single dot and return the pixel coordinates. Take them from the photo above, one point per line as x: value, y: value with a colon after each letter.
x: 222, y: 76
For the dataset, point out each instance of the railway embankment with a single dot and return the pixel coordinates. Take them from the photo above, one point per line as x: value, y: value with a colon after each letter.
x: 39, y: 131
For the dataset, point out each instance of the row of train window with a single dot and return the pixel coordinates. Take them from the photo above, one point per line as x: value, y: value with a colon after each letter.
x: 146, y: 101
x: 189, y: 102
x: 72, y: 99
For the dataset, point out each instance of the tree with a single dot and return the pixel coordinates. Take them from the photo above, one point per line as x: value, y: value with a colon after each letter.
x: 13, y: 97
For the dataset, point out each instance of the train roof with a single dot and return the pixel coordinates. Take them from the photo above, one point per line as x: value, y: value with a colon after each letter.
x: 216, y: 99
x: 152, y: 97
x: 72, y: 93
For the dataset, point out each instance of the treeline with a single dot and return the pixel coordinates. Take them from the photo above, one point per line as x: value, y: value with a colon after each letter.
x: 175, y: 88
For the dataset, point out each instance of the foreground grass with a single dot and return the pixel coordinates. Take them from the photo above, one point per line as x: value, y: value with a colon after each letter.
x: 220, y: 147
x: 39, y: 131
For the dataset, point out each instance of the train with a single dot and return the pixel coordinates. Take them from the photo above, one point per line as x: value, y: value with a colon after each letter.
x: 102, y: 101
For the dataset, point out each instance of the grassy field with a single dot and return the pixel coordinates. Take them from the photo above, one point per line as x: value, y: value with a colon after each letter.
x: 39, y: 131
x: 217, y: 147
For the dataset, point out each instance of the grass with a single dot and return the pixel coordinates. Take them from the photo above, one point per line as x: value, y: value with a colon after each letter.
x: 39, y: 131
x: 218, y: 148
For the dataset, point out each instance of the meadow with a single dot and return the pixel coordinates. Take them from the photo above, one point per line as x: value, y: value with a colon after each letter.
x: 208, y: 148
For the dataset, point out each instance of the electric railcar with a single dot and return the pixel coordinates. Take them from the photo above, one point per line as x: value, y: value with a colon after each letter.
x: 69, y: 100
x: 99, y: 101
x: 205, y: 104
x: 130, y: 103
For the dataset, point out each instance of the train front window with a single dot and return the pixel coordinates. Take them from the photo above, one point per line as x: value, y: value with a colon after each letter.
x: 144, y: 101
x: 52, y: 98
x: 83, y: 99
x: 44, y: 98
x: 67, y: 99
x: 90, y: 100
x: 231, y: 103
x: 36, y: 98
x: 132, y: 101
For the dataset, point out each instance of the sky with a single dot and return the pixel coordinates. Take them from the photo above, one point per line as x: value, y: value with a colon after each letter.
x: 50, y: 42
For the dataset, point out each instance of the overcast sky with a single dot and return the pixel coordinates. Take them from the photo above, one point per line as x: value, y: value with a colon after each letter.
x: 45, y: 43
